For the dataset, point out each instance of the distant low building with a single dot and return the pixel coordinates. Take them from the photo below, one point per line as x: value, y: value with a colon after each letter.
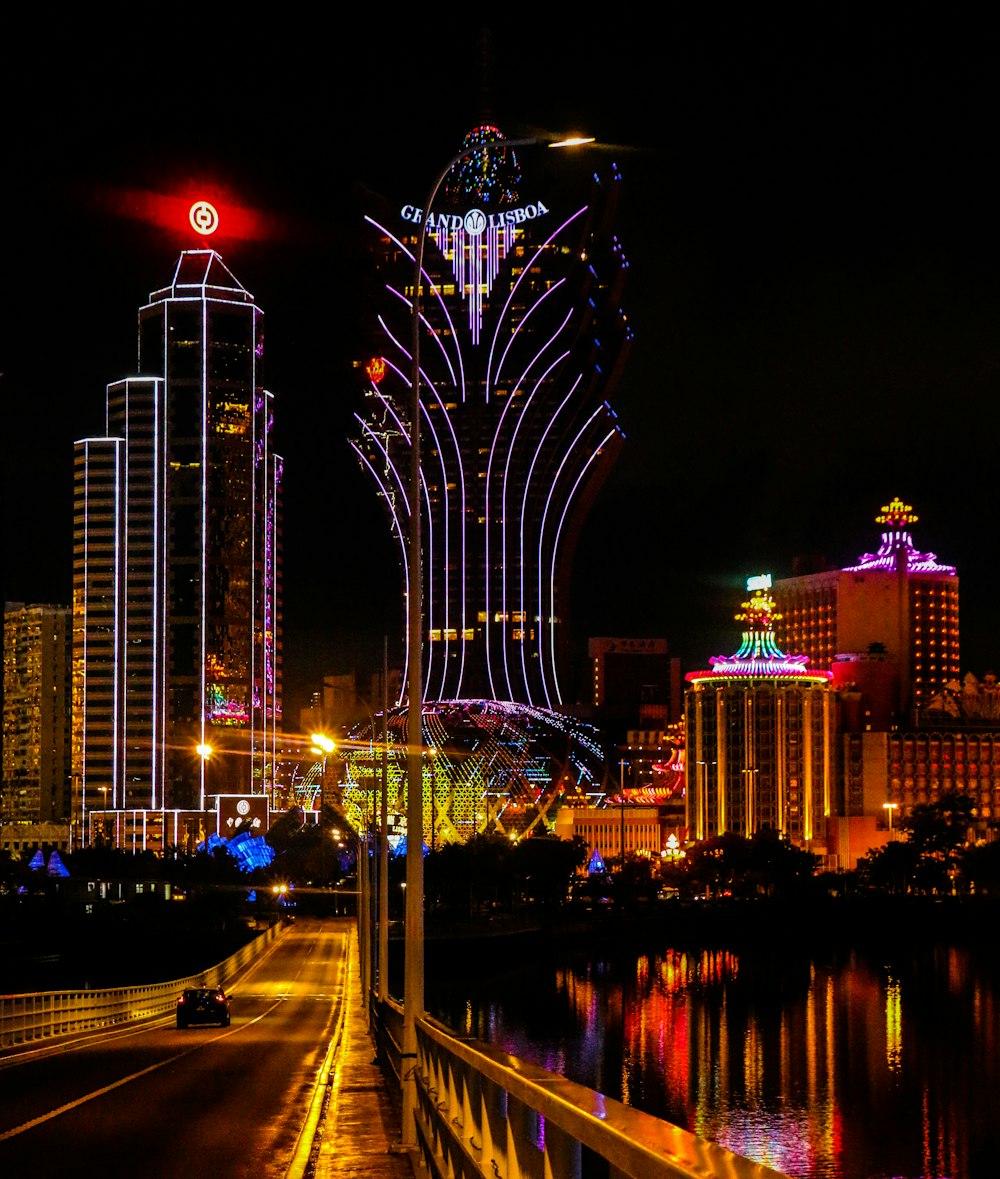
x: 36, y: 783
x: 634, y: 680
x: 607, y: 829
x: 21, y: 839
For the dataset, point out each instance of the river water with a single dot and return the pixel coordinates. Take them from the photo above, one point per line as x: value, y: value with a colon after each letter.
x: 852, y: 1062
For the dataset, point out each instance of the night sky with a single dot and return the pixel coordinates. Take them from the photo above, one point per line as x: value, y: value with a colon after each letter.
x: 809, y: 208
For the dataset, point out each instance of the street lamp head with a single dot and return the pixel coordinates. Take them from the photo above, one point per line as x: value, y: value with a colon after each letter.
x: 573, y: 141
x: 203, y: 751
x: 323, y: 742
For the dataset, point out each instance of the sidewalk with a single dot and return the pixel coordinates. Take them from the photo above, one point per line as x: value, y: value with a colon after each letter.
x: 360, y: 1133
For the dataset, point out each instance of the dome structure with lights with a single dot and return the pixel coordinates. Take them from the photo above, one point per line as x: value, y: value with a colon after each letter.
x: 490, y: 767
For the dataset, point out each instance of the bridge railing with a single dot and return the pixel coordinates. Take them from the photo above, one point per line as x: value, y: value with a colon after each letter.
x: 482, y: 1112
x: 25, y: 1018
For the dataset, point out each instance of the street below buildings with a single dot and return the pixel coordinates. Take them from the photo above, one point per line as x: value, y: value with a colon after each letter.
x: 150, y: 1100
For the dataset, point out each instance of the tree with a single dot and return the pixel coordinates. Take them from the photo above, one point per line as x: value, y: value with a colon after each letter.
x: 777, y: 866
x: 763, y: 865
x: 890, y: 869
x: 717, y: 863
x: 941, y: 827
x: 544, y: 866
x: 980, y: 867
x: 937, y: 832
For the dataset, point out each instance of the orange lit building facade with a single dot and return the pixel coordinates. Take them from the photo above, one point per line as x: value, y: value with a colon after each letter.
x: 760, y: 738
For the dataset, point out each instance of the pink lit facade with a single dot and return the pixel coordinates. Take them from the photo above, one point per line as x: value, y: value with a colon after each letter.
x: 898, y: 605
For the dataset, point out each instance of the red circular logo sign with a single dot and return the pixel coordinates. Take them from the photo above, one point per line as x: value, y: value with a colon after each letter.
x: 204, y: 218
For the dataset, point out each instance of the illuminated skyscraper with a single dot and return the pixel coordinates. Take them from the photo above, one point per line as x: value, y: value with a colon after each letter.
x: 177, y: 586
x: 522, y: 339
x: 888, y: 624
x: 36, y: 710
x: 760, y: 738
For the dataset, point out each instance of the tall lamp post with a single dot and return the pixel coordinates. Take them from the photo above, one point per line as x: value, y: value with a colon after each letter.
x: 322, y: 746
x: 413, y: 981
x: 383, y: 846
x: 204, y: 752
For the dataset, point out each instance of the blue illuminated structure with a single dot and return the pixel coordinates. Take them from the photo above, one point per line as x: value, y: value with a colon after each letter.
x: 523, y: 338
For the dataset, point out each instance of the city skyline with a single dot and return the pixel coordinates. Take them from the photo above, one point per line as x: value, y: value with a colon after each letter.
x: 812, y: 288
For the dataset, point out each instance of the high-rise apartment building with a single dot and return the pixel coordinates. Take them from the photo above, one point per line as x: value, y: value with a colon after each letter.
x: 888, y: 623
x: 177, y: 573
x: 36, y: 714
x: 760, y: 738
x: 522, y: 339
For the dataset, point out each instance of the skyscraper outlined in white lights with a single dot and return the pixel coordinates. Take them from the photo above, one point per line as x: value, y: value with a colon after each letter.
x: 177, y: 567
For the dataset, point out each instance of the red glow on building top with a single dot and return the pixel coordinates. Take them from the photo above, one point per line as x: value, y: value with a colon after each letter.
x: 192, y: 213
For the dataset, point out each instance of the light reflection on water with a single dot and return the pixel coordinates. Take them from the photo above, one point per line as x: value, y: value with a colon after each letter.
x: 845, y: 1067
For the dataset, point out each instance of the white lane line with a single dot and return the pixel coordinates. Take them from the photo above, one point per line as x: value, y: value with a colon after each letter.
x: 55, y: 1113
x: 117, y: 1032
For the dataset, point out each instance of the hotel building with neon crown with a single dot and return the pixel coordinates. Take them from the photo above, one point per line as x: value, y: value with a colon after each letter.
x: 889, y: 622
x: 177, y: 571
x: 870, y: 720
x: 760, y: 737
x: 522, y: 340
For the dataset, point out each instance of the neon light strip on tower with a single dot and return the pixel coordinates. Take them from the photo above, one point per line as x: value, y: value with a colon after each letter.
x: 556, y: 543
x: 519, y: 591
x: 490, y: 385
x: 257, y: 704
x: 118, y: 581
x: 540, y: 597
x: 397, y: 528
x: 434, y: 290
x: 203, y: 702
x: 490, y: 470
x: 158, y: 759
x: 475, y: 262
x: 522, y: 277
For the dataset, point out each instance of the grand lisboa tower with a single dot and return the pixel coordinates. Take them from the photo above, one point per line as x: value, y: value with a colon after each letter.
x: 522, y: 338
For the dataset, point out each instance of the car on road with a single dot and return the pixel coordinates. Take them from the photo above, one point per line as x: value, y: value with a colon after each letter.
x: 203, y: 1005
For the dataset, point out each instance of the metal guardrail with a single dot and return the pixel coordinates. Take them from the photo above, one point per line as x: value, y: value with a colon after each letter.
x: 30, y: 1017
x: 482, y: 1112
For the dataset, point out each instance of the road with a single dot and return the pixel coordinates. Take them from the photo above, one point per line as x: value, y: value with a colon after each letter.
x: 148, y: 1101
